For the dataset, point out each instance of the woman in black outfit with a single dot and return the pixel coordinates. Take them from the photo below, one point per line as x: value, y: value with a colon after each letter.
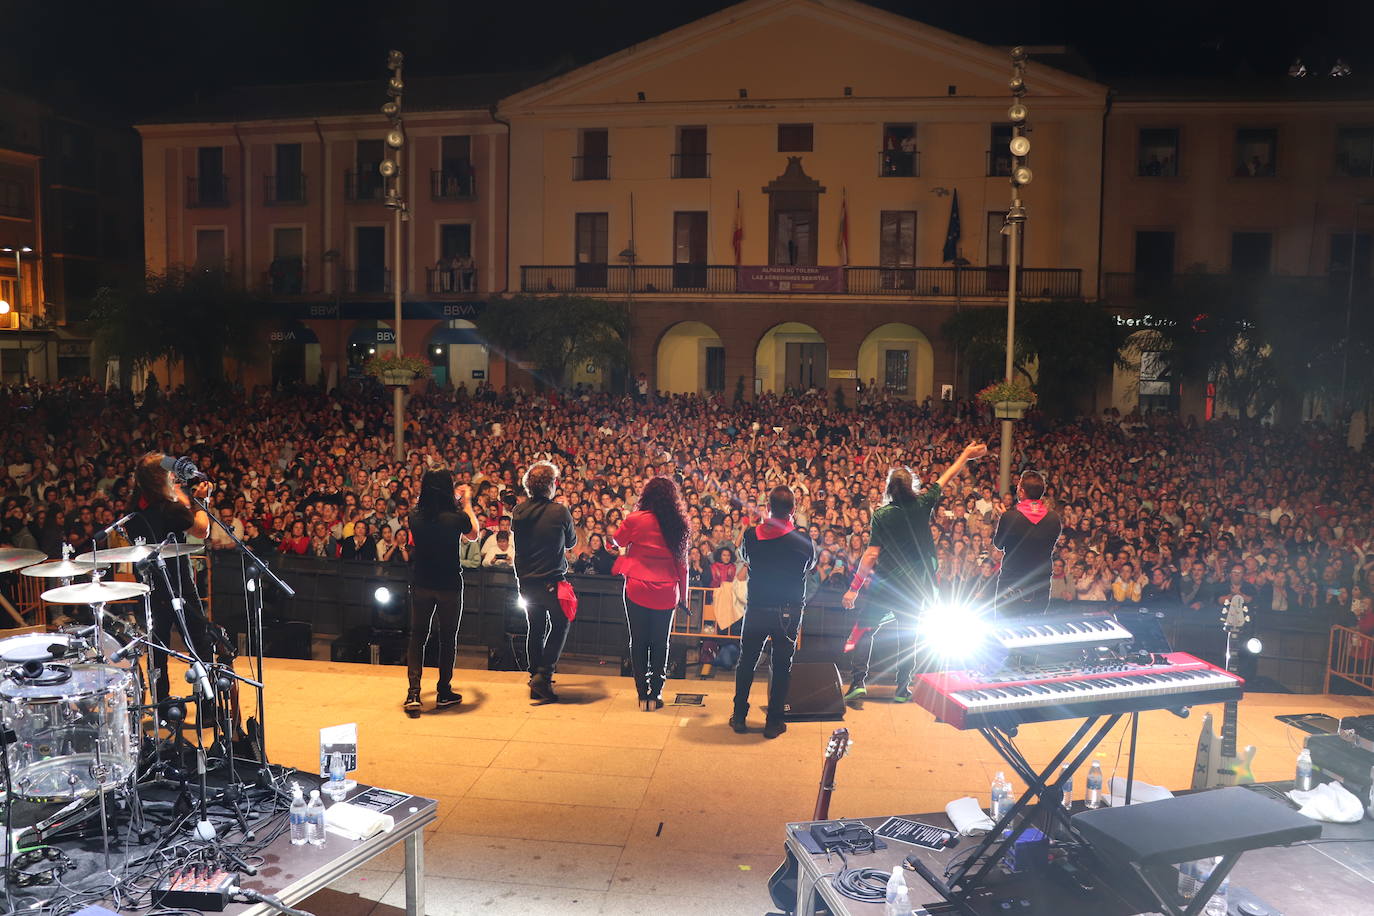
x: 442, y: 516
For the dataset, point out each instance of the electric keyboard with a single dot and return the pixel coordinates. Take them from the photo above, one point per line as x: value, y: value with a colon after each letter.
x: 967, y: 700
x: 1077, y: 632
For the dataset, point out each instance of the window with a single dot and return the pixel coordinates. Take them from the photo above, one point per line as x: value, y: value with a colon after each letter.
x: 369, y: 259
x: 1339, y: 262
x: 287, y: 273
x: 999, y: 152
x: 455, y: 240
x: 899, y: 158
x: 455, y: 178
x: 715, y: 368
x: 998, y: 243
x: 794, y: 230
x: 365, y: 182
x: 897, y: 249
x: 456, y: 271
x: 210, y: 250
x: 897, y: 371
x: 592, y: 250
x: 691, y: 158
x: 795, y: 138
x: 1355, y: 152
x: 1158, y: 153
x: 689, y: 250
x: 1154, y: 261
x: 1257, y: 153
x: 211, y: 187
x: 1250, y: 253
x: 287, y: 185
x: 593, y: 160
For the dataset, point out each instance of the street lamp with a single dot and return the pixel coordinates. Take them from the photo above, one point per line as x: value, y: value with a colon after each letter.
x: 1019, y: 147
x: 390, y: 169
x: 18, y: 306
x: 1350, y: 293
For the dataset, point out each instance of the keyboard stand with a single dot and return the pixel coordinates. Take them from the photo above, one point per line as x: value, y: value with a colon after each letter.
x: 1041, y: 804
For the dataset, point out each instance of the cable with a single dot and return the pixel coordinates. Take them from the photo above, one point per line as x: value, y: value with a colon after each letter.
x: 258, y: 897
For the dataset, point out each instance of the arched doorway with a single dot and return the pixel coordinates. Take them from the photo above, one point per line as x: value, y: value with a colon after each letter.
x: 790, y: 356
x: 367, y: 338
x: 295, y: 353
x: 457, y: 354
x: 690, y: 360
x: 899, y: 359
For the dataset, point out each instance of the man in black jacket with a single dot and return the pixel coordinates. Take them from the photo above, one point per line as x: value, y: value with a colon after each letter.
x: 779, y: 557
x: 543, y: 532
x: 1026, y: 535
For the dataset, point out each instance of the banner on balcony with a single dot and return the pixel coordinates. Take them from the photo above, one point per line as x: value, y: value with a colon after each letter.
x: 790, y: 279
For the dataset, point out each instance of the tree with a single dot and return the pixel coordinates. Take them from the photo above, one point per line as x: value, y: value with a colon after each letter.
x: 190, y: 316
x: 558, y: 333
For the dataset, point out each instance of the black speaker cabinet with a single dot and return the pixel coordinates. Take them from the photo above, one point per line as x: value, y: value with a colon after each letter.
x: 815, y: 694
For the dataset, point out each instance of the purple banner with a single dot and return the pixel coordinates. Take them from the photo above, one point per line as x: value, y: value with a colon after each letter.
x: 786, y: 279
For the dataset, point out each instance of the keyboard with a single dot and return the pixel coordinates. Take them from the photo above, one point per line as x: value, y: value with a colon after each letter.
x: 968, y: 700
x: 1041, y: 633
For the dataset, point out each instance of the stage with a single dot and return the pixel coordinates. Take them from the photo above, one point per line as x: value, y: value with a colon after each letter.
x: 592, y: 806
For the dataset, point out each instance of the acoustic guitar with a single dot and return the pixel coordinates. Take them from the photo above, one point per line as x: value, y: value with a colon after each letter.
x: 782, y: 884
x: 1217, y: 763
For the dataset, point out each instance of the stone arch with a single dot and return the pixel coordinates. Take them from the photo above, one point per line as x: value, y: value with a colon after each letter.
x: 790, y: 355
x: 919, y: 358
x: 685, y: 362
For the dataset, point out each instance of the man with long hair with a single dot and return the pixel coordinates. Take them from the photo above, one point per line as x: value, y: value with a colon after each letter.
x: 900, y: 562
x: 655, y: 570
x: 443, y: 516
x: 164, y: 512
x: 544, y: 532
x: 779, y: 557
x: 1026, y: 535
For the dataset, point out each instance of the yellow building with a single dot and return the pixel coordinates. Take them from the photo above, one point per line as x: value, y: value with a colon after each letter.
x: 630, y: 177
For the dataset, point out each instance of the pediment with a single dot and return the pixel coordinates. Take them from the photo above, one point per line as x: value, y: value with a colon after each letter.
x: 795, y: 50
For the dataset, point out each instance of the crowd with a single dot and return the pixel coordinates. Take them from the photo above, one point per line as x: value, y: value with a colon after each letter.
x: 1155, y: 510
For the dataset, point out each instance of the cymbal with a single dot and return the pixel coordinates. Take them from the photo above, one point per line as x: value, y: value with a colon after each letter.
x: 61, y: 569
x: 138, y: 553
x: 12, y: 558
x: 94, y: 592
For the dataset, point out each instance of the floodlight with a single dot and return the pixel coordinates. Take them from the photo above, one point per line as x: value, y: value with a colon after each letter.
x: 382, y: 595
x: 1254, y: 646
x: 1019, y: 146
x: 1017, y: 112
x: 952, y: 630
x: 522, y: 603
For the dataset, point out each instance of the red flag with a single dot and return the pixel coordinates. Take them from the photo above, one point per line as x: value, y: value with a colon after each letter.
x: 843, y: 242
x: 737, y: 237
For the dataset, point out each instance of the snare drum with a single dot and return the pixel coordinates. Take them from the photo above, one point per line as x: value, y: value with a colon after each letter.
x: 60, y: 719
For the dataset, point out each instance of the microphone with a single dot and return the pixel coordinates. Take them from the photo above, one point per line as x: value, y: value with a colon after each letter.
x: 116, y: 524
x: 123, y: 652
x: 184, y: 469
x: 197, y: 675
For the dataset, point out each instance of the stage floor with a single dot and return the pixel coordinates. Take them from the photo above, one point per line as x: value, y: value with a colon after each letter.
x: 590, y: 806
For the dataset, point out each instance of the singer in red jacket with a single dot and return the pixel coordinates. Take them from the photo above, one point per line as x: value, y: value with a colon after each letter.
x: 655, y: 569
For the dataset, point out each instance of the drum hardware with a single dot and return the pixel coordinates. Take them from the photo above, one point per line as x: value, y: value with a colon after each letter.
x: 55, y: 863
x: 12, y: 558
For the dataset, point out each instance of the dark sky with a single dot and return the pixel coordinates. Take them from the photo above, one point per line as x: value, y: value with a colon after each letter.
x: 139, y: 57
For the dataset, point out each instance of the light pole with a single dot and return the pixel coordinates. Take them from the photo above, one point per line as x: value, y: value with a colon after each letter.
x: 390, y: 169
x: 1350, y: 294
x: 1016, y: 215
x: 19, y: 308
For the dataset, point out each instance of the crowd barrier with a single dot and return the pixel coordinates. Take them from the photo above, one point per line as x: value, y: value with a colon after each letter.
x: 335, y: 597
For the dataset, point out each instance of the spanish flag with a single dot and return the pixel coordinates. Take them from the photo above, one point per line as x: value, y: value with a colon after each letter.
x: 842, y: 243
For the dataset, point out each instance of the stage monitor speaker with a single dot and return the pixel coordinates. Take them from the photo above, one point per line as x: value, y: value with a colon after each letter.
x: 815, y: 694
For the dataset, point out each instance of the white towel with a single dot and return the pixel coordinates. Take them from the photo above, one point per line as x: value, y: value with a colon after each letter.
x: 968, y: 817
x: 355, y: 822
x: 1330, y: 802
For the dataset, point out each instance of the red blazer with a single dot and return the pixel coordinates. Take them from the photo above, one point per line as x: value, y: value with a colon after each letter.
x: 654, y: 578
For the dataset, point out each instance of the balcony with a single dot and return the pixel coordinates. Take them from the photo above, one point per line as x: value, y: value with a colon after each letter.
x: 895, y: 163
x: 363, y: 185
x: 207, y: 192
x: 591, y: 168
x: 451, y: 281
x: 283, y: 190
x: 368, y: 281
x: 453, y: 183
x: 911, y: 282
x: 286, y: 277
x: 691, y: 165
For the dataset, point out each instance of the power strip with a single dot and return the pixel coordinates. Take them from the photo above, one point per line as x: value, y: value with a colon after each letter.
x: 196, y: 888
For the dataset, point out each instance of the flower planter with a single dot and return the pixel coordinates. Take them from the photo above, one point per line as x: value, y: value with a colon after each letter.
x: 1010, y: 410
x: 400, y: 378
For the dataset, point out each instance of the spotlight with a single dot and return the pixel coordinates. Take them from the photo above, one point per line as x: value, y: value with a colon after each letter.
x: 1017, y: 113
x: 1019, y: 146
x: 521, y: 603
x: 952, y: 631
x: 251, y: 585
x: 438, y: 351
x: 1254, y: 646
x: 382, y: 595
x: 4, y: 307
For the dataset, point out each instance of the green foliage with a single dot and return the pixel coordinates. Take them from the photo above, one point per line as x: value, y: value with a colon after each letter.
x: 557, y: 333
x: 190, y: 316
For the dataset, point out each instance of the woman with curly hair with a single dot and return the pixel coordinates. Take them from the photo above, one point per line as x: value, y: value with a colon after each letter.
x: 654, y: 565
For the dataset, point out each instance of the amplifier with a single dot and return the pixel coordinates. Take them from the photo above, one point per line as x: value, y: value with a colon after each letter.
x: 1349, y: 763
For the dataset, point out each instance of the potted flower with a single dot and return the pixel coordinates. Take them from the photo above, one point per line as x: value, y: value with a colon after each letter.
x: 1009, y: 400
x: 390, y: 369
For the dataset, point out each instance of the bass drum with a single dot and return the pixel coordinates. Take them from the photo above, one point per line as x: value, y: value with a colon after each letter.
x: 74, y: 736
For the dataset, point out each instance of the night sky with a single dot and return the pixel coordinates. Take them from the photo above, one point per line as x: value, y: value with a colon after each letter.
x: 136, y: 58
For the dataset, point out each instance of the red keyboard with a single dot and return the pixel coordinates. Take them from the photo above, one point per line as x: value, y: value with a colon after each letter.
x: 967, y: 701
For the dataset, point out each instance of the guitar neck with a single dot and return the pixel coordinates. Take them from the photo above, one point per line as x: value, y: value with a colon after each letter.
x: 1229, y: 713
x: 826, y: 789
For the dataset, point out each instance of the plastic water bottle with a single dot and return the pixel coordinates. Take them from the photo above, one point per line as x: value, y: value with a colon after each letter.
x: 1067, y: 787
x: 1093, y: 797
x: 1191, y: 877
x: 1303, y: 780
x: 337, y: 787
x: 314, y: 816
x: 898, y: 899
x: 300, y: 823
x: 1001, y: 796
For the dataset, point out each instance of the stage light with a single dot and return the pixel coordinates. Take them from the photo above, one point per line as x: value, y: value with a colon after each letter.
x: 251, y: 585
x: 382, y: 595
x: 1254, y: 646
x: 951, y: 630
x: 521, y: 603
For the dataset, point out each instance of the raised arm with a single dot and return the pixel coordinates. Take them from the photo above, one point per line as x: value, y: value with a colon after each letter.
x: 971, y: 451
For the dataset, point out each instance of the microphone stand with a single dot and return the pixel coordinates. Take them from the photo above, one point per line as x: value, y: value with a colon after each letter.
x: 255, y: 630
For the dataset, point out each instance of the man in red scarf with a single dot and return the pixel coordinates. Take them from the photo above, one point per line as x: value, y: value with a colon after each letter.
x: 1026, y: 535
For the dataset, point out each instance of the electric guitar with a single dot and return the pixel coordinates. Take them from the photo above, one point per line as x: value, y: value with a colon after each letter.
x: 1217, y: 763
x: 782, y: 885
